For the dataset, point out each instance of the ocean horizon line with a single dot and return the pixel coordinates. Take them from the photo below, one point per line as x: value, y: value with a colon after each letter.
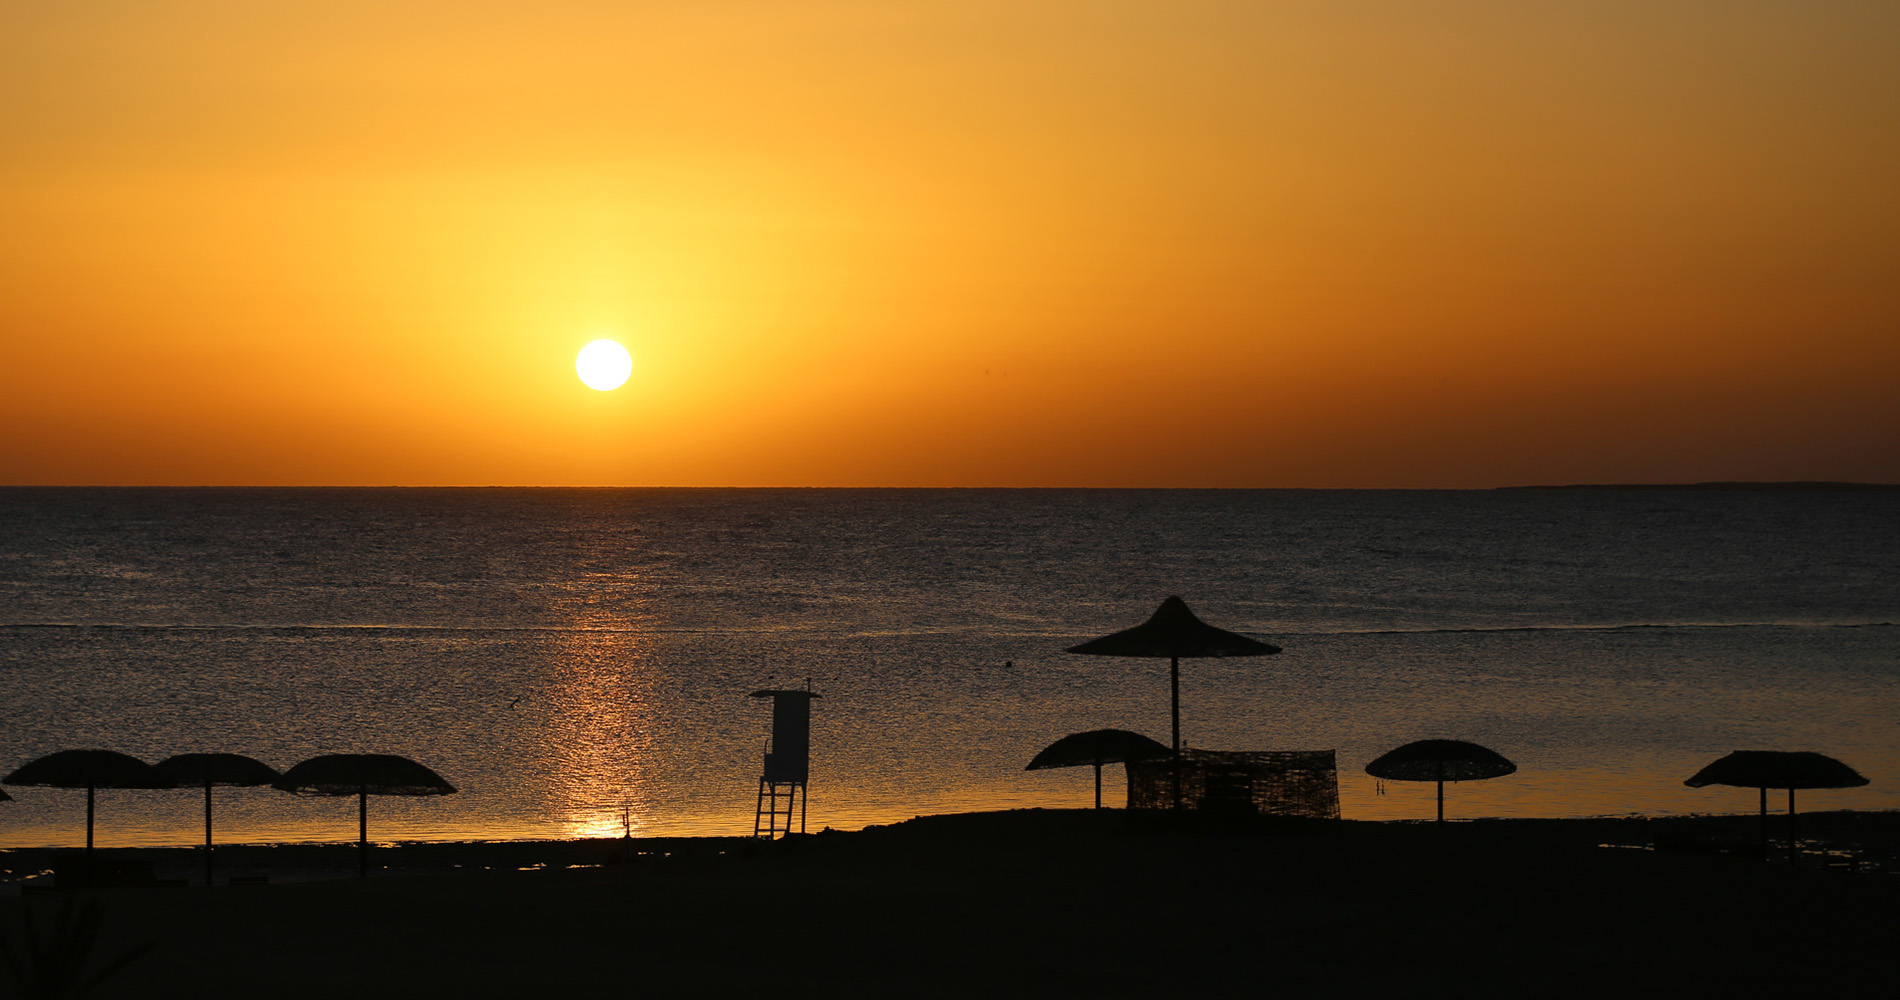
x: 885, y: 633
x: 1791, y: 485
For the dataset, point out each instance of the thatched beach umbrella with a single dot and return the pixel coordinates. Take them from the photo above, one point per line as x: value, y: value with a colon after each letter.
x: 1097, y: 747
x: 1440, y: 761
x: 1765, y: 769
x: 90, y: 770
x: 1173, y: 632
x: 362, y: 775
x: 189, y: 770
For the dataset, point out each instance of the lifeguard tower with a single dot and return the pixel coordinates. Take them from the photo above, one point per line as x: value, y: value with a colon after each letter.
x: 783, y: 782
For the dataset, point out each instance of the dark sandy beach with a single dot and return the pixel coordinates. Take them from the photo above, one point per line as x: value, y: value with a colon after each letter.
x: 1032, y: 903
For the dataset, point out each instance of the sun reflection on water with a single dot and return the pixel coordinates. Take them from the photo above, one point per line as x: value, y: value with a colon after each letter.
x: 595, y: 739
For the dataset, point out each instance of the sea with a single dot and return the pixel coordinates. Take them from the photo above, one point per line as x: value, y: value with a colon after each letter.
x: 580, y: 662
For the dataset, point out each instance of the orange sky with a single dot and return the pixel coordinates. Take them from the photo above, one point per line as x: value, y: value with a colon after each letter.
x: 849, y: 242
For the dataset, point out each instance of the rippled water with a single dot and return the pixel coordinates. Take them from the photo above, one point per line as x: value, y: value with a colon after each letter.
x: 576, y: 660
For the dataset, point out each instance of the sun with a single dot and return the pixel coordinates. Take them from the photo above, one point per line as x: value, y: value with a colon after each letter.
x: 603, y: 365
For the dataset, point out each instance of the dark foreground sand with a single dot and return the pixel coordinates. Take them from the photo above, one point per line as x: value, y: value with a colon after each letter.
x: 1032, y: 903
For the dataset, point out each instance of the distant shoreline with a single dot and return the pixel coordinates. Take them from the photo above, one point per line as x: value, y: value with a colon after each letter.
x: 1790, y: 487
x: 1818, y: 486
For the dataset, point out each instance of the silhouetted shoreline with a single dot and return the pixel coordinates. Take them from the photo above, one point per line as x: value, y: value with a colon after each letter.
x: 1043, y: 903
x: 1865, y: 841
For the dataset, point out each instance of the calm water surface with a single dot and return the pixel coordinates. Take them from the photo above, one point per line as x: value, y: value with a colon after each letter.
x: 577, y: 661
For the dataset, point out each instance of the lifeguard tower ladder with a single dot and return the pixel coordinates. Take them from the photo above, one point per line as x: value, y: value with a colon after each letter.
x: 783, y: 781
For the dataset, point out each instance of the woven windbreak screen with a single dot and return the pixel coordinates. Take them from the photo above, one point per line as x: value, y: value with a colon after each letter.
x: 1261, y: 782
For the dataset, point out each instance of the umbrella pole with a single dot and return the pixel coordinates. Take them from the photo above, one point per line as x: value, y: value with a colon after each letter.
x: 362, y: 832
x: 88, y: 836
x: 1438, y: 768
x: 1792, y: 852
x: 1174, y: 701
x: 207, y: 833
x: 1098, y: 784
x: 1174, y: 692
x: 1764, y: 823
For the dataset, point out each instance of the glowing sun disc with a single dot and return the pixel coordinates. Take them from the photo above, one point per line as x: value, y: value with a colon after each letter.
x: 603, y: 365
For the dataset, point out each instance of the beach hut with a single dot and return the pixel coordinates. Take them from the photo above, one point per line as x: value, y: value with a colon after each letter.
x: 1765, y: 769
x: 1097, y: 747
x: 1440, y: 761
x: 190, y: 770
x: 362, y: 775
x: 1301, y: 783
x: 90, y: 770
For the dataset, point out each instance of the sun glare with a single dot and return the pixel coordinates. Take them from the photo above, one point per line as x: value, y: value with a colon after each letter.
x: 603, y: 365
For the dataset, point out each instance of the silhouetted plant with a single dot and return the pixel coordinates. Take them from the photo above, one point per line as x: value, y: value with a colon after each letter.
x: 55, y: 955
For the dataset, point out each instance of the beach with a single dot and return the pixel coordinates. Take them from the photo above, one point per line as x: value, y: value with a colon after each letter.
x: 1032, y: 903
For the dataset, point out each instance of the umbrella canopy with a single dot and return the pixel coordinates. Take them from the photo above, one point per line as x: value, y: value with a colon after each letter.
x: 1440, y: 761
x: 1777, y: 769
x: 1173, y: 632
x: 1097, y: 747
x: 1765, y: 769
x: 189, y: 770
x: 90, y: 770
x: 362, y: 775
x: 356, y: 773
x: 86, y: 769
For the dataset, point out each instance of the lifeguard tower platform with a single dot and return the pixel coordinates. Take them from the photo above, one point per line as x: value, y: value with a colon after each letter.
x: 784, y: 781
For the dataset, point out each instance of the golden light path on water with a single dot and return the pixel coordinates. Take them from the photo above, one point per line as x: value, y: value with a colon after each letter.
x: 596, y: 733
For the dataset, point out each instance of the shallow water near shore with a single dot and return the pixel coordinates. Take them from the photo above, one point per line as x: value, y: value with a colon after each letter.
x: 577, y: 661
